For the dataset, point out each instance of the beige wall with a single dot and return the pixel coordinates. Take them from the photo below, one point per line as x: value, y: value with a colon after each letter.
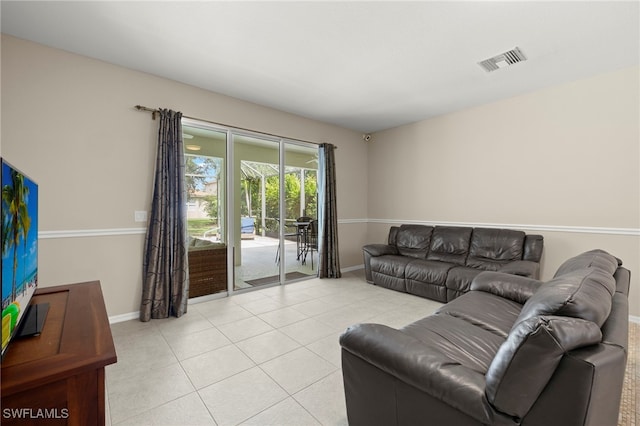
x: 68, y: 121
x: 563, y: 162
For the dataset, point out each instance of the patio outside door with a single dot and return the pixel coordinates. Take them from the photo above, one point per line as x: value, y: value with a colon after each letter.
x: 256, y: 194
x: 264, y: 232
x: 300, y: 210
x: 274, y: 186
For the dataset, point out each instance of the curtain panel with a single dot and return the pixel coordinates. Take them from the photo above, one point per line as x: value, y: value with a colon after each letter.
x: 165, y: 285
x: 329, y: 257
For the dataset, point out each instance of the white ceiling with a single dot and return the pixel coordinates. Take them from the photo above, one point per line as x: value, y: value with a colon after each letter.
x: 366, y: 66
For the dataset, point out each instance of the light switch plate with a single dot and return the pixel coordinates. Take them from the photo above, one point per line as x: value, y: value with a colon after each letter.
x: 140, y: 216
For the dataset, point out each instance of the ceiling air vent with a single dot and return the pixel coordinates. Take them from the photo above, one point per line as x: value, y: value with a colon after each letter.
x: 503, y: 60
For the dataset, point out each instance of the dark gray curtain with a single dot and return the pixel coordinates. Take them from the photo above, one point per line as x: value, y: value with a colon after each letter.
x: 329, y: 257
x: 165, y: 285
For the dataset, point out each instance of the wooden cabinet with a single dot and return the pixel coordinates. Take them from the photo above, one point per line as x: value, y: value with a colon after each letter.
x: 57, y: 378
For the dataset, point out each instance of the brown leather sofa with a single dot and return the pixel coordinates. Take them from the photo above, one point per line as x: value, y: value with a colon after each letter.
x: 440, y: 262
x: 511, y: 351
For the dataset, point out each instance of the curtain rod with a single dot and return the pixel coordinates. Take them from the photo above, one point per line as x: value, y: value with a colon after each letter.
x: 154, y: 111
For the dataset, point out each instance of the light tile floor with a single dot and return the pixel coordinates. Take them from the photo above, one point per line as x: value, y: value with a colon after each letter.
x: 266, y: 357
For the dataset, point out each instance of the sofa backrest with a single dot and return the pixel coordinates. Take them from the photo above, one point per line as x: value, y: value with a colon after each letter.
x: 589, y: 381
x: 585, y: 293
x: 414, y: 240
x: 481, y: 248
x: 393, y: 235
x: 533, y: 245
x: 591, y: 259
x: 450, y: 244
x: 528, y: 358
x: 492, y: 248
x: 563, y: 314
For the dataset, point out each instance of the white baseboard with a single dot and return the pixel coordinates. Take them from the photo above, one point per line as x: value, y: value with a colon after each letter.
x: 135, y: 315
x: 124, y: 317
x: 634, y: 318
x: 352, y: 268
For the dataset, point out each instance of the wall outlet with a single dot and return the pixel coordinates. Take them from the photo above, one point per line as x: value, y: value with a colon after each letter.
x: 140, y: 216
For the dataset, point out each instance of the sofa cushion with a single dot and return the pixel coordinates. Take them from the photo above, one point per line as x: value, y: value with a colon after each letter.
x: 388, y: 271
x: 492, y: 248
x: 390, y: 264
x: 388, y: 281
x: 431, y: 291
x: 427, y: 271
x: 450, y: 244
x: 379, y: 249
x: 523, y: 268
x: 591, y: 259
x: 512, y: 287
x: 484, y: 310
x: 584, y: 293
x: 458, y: 340
x: 414, y: 240
x: 459, y: 278
x: 528, y: 358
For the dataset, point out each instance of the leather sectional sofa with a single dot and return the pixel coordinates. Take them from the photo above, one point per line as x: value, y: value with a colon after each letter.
x: 440, y: 262
x: 511, y: 351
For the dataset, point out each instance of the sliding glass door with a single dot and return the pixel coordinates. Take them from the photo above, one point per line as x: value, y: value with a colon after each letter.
x: 267, y: 226
x: 256, y: 193
x: 206, y: 180
x: 300, y: 198
x: 275, y: 193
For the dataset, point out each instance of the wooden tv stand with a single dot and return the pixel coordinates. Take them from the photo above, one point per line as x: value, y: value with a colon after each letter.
x: 57, y: 378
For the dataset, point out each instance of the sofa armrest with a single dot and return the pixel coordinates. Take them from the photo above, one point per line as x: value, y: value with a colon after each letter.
x: 375, y: 250
x: 523, y: 268
x: 421, y: 366
x: 379, y: 249
x: 512, y: 287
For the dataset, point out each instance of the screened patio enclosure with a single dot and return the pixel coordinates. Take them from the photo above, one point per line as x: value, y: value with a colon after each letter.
x: 259, y: 191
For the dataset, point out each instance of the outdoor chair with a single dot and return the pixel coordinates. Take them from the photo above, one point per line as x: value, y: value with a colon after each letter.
x: 288, y: 235
x: 309, y: 241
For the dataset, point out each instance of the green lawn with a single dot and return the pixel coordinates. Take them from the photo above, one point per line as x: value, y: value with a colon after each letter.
x: 197, y: 227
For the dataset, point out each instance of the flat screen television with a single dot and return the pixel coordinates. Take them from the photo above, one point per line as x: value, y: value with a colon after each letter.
x: 19, y: 255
